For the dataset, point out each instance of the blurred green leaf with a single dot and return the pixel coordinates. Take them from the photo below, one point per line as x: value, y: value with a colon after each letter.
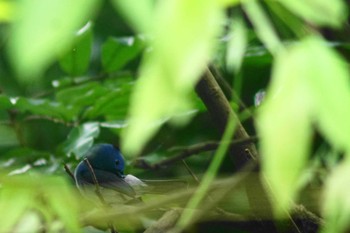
x: 184, y: 39
x: 5, y: 102
x: 320, y: 12
x: 81, y: 138
x: 68, y: 216
x: 113, y: 104
x: 81, y: 95
x: 329, y: 84
x: 237, y: 45
x: 46, y: 108
x: 15, y: 201
x: 7, y: 9
x: 139, y: 13
x: 76, y: 61
x: 29, y: 222
x: 310, y: 86
x: 336, y: 202
x: 117, y: 52
x: 262, y: 25
x: 8, y: 136
x: 42, y: 30
x: 23, y: 196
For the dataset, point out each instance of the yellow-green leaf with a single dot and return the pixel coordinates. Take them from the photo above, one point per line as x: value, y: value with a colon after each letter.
x: 310, y: 87
x: 184, y: 39
x: 319, y: 12
x: 336, y: 202
x: 44, y: 29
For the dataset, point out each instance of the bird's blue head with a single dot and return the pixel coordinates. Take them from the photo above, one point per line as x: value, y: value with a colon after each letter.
x: 106, y: 157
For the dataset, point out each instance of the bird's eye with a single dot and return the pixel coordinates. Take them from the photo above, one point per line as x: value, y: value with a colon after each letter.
x: 117, y: 162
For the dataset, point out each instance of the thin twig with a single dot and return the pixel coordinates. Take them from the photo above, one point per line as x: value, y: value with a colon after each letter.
x: 97, y: 186
x: 68, y: 171
x: 190, y: 171
x: 189, y: 151
x: 98, y: 191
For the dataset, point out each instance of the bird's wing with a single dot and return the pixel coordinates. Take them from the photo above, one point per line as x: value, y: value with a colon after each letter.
x: 106, y: 180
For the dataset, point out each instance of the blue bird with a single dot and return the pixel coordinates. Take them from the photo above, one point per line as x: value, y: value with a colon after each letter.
x: 108, y: 166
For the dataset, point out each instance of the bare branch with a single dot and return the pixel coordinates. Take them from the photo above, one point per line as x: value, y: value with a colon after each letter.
x: 68, y: 171
x: 189, y: 151
x: 98, y: 191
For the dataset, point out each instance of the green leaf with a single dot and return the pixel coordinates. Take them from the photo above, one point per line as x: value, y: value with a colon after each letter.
x: 139, y: 13
x: 81, y: 95
x: 282, y: 126
x: 68, y: 216
x: 262, y: 25
x: 330, y: 85
x: 7, y: 9
x: 15, y: 201
x: 310, y: 86
x: 76, y: 61
x: 237, y: 45
x: 81, y: 138
x: 169, y: 72
x: 5, y: 102
x: 320, y: 12
x: 117, y: 52
x: 113, y: 104
x: 46, y: 108
x: 43, y: 196
x: 8, y: 136
x: 42, y: 30
x: 336, y: 202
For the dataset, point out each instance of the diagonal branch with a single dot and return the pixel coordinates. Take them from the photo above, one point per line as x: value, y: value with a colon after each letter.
x: 189, y: 151
x: 98, y: 191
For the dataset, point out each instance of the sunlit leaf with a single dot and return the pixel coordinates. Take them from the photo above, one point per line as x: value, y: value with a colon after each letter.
x: 319, y: 12
x: 310, y: 87
x: 76, y: 61
x: 44, y: 29
x: 139, y: 13
x: 68, y: 216
x: 117, y: 52
x: 29, y: 222
x: 15, y: 202
x: 184, y: 39
x: 24, y: 197
x: 336, y: 203
x: 7, y: 9
x: 81, y: 138
x: 262, y: 25
x: 226, y: 3
x: 237, y: 45
x: 330, y: 86
x: 283, y: 126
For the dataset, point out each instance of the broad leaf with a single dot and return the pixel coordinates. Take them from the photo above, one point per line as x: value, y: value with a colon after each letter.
x: 139, y: 13
x: 76, y: 61
x: 117, y: 52
x: 319, y: 12
x: 80, y: 139
x: 46, y: 108
x: 43, y: 30
x: 310, y: 87
x: 336, y: 203
x: 171, y: 69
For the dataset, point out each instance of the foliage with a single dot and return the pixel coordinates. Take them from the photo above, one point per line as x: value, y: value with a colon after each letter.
x: 78, y: 72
